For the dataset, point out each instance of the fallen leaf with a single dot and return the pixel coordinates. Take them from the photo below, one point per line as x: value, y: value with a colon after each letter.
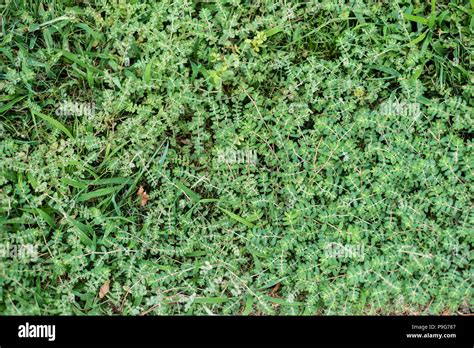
x: 104, y: 289
x: 275, y: 290
x: 145, y: 198
x: 143, y: 195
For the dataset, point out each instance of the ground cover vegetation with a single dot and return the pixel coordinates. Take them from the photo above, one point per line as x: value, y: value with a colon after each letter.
x: 234, y: 157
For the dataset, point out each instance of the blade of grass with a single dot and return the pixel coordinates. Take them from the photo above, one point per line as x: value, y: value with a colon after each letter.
x: 416, y: 19
x: 188, y: 192
x: 139, y: 175
x: 236, y: 217
x: 418, y: 39
x: 248, y: 305
x: 108, y: 181
x: 386, y: 69
x: 54, y: 123
x: 75, y: 59
x: 210, y: 300
x: 9, y: 105
x: 98, y: 193
x: 84, y: 231
x: 46, y: 217
x: 74, y: 183
x: 273, y: 31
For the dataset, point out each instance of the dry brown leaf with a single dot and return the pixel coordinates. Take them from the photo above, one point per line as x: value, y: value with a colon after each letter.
x: 275, y: 289
x: 145, y: 198
x: 104, y: 289
x: 143, y: 195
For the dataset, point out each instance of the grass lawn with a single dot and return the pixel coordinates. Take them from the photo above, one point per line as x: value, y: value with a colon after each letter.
x: 237, y: 158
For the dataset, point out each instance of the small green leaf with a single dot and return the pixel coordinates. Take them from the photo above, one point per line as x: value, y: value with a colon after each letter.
x: 147, y: 73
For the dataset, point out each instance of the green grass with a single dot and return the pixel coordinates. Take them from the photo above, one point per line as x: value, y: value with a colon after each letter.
x: 360, y: 198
